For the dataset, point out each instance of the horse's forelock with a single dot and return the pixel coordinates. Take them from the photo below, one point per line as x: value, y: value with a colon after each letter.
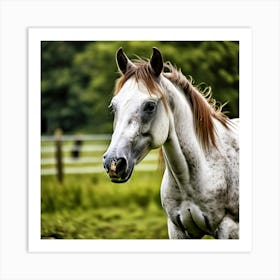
x: 143, y: 73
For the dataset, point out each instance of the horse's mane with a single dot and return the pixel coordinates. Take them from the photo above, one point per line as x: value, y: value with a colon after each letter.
x: 203, y: 106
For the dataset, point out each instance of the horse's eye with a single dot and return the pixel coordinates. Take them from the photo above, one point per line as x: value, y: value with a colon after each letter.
x: 150, y: 107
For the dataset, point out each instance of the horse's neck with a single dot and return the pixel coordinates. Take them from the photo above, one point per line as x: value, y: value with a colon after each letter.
x: 183, y: 154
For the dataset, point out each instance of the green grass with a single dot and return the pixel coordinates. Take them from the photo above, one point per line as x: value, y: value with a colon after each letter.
x: 105, y: 223
x: 91, y: 207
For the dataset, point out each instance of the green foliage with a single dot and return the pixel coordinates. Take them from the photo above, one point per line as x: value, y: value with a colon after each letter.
x: 78, y: 78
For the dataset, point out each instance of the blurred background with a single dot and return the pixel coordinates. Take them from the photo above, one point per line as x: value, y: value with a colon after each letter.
x: 77, y: 81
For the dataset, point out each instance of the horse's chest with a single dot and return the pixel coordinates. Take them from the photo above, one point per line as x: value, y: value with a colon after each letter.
x: 197, y: 212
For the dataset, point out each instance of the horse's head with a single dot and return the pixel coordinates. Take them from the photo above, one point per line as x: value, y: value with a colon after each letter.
x: 140, y: 115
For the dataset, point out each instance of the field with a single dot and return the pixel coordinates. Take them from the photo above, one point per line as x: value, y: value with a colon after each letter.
x: 89, y: 206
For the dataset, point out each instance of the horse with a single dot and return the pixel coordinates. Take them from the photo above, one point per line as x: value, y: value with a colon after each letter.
x: 155, y: 106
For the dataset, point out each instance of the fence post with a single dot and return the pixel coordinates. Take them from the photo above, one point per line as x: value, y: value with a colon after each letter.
x: 58, y: 154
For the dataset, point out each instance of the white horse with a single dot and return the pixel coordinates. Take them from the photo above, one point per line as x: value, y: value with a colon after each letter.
x: 200, y: 185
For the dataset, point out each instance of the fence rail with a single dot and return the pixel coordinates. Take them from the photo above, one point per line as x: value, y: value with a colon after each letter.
x: 92, y: 147
x: 85, y: 148
x: 88, y: 137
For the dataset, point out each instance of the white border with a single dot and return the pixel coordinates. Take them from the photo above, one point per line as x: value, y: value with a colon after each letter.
x: 262, y: 16
x: 243, y: 35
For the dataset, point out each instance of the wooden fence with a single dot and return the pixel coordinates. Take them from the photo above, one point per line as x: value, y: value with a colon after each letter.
x: 72, y: 154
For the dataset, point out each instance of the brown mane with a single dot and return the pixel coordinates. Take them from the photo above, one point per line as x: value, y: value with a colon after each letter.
x: 204, y: 108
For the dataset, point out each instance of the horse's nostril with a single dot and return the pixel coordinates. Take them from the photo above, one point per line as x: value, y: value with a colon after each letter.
x: 115, y: 167
x: 120, y: 165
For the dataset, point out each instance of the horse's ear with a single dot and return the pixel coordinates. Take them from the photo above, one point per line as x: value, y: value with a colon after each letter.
x: 123, y: 61
x: 156, y: 62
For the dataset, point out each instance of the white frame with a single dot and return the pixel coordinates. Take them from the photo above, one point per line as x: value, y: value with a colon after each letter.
x: 262, y: 262
x: 243, y: 35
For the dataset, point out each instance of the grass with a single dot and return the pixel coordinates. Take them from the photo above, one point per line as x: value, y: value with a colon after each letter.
x: 105, y: 223
x: 91, y: 207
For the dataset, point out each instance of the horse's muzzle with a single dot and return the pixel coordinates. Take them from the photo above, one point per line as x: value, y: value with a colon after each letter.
x: 117, y: 169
